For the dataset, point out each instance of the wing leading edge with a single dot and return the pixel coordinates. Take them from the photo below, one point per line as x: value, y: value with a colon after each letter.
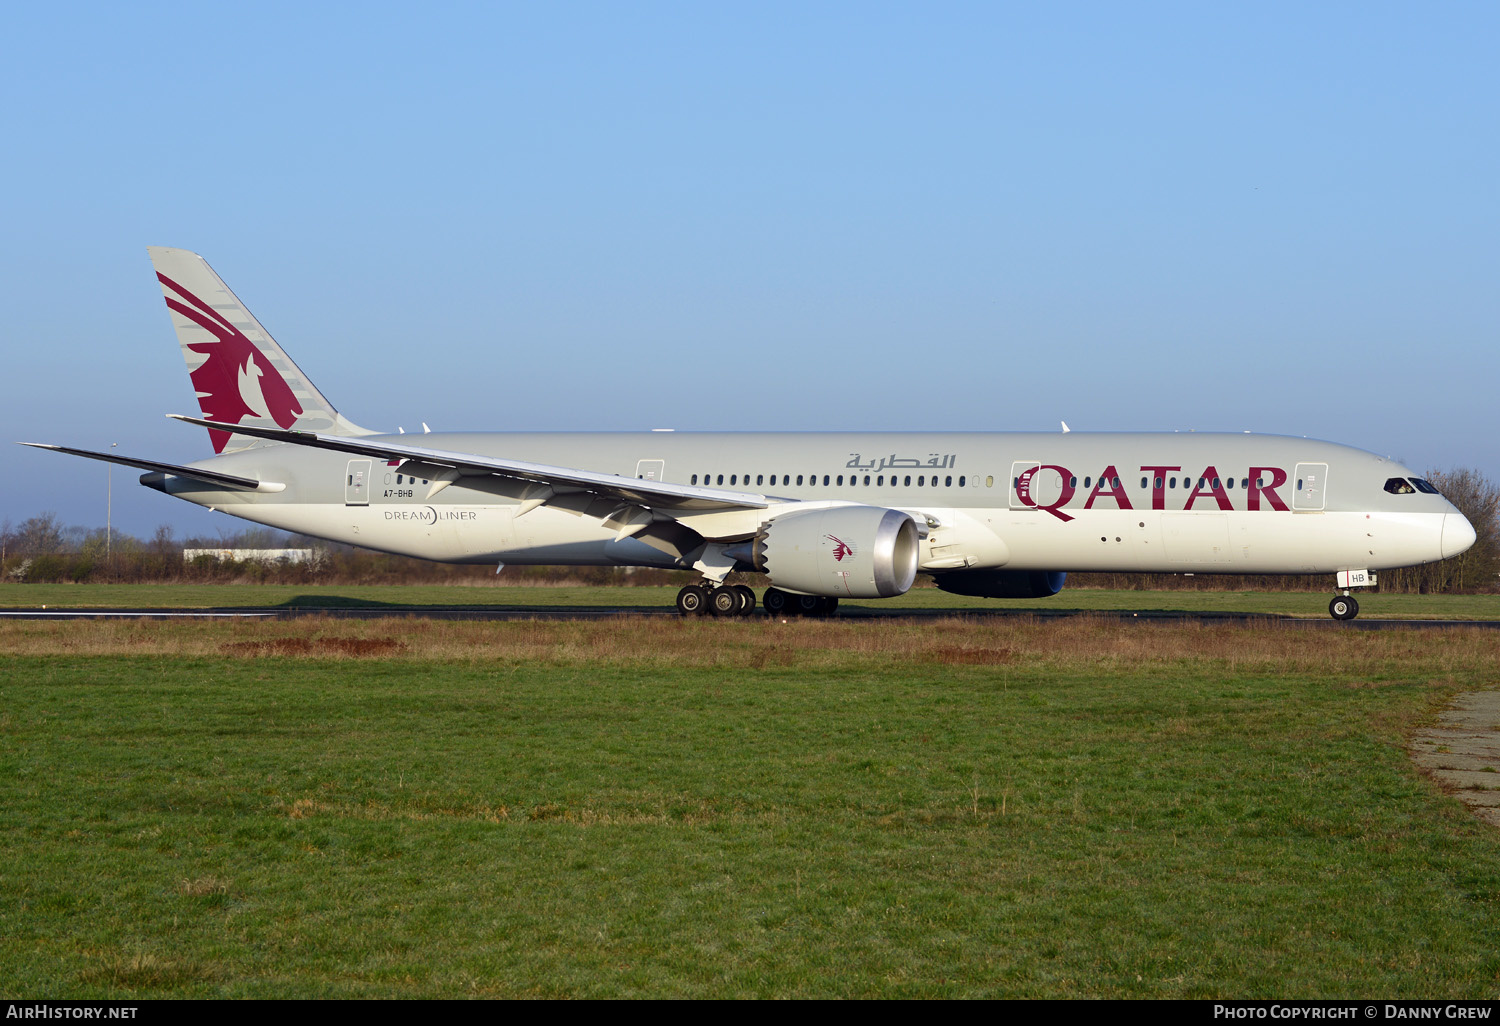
x: 659, y: 495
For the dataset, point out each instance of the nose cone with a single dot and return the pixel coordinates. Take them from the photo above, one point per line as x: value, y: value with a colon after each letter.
x: 1458, y: 534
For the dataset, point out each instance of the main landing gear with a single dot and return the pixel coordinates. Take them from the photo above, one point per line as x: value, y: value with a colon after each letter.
x: 784, y: 603
x: 726, y: 600
x: 739, y: 600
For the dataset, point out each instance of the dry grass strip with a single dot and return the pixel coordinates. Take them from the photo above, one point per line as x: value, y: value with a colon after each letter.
x: 1431, y: 654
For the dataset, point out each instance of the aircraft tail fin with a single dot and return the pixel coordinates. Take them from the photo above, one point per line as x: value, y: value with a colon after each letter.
x: 238, y: 371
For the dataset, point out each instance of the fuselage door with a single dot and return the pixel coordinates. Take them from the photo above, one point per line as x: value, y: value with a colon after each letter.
x: 1310, y: 486
x: 357, y: 483
x: 1022, y: 474
x: 1034, y: 485
x: 650, y: 470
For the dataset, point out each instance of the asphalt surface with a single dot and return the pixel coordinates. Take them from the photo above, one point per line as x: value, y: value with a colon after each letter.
x: 502, y: 613
x: 1463, y: 752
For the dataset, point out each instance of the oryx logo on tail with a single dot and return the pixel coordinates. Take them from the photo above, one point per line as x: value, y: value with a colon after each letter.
x: 235, y: 380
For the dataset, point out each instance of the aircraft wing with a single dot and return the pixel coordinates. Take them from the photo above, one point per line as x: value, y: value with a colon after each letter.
x: 659, y: 495
x: 211, y: 477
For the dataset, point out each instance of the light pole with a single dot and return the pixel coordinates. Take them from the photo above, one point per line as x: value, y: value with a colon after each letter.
x: 109, y: 508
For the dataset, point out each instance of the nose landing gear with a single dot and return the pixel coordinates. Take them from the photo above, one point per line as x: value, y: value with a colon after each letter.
x: 1343, y: 607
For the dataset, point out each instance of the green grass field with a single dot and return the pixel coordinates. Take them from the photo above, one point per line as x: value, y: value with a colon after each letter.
x: 220, y: 596
x: 662, y: 807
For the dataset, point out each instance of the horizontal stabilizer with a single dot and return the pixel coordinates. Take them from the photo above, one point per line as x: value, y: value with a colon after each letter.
x: 211, y: 477
x: 654, y: 494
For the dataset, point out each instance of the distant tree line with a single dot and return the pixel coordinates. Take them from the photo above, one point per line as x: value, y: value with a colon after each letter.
x: 43, y: 550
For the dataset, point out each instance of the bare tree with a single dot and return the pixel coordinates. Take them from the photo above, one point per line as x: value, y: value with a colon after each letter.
x: 164, y: 543
x: 39, y: 535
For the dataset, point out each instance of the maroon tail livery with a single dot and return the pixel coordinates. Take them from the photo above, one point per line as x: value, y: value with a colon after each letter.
x: 240, y: 374
x: 233, y: 374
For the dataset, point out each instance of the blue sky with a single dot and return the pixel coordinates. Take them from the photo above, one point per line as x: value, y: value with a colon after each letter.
x: 1271, y: 217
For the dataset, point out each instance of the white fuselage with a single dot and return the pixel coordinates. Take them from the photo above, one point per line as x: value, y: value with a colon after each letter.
x: 1208, y: 503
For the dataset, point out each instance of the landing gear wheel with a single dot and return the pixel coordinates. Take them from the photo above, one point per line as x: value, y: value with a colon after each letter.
x: 830, y: 606
x: 807, y: 605
x: 724, y: 602
x: 1343, y: 607
x: 747, y: 599
x: 776, y: 601
x: 692, y: 600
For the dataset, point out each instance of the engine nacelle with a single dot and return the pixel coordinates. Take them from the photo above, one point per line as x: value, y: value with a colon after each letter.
x: 1012, y: 584
x: 842, y: 552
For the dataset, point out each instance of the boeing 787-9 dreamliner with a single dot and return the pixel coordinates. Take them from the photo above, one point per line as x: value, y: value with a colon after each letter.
x: 825, y: 516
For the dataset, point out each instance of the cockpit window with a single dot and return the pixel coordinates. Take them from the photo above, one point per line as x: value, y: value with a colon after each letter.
x: 1399, y: 486
x: 1425, y: 486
